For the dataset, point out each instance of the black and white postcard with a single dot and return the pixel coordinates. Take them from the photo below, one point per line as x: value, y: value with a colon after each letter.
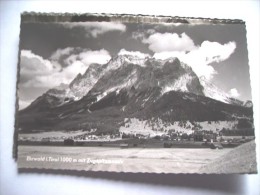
x: 134, y: 93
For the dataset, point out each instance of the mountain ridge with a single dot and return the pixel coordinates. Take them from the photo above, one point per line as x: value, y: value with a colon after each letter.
x: 130, y: 87
x: 83, y: 83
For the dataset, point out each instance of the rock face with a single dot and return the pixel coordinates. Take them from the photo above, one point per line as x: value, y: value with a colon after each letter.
x: 212, y: 91
x: 130, y: 87
x: 125, y: 71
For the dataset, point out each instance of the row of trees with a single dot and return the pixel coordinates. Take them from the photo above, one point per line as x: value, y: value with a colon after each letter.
x: 238, y: 132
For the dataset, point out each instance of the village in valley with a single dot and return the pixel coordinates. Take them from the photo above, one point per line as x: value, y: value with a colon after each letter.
x: 157, y: 139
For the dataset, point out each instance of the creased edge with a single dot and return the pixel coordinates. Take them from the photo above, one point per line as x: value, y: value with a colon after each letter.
x: 131, y: 18
x: 222, y: 182
x: 254, y: 107
x: 15, y: 135
x: 85, y: 172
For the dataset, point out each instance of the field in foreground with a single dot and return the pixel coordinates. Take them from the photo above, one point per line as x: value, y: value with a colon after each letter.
x: 167, y: 160
x: 241, y: 159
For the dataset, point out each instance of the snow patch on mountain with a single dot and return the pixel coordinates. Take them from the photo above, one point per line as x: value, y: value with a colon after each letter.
x: 127, y: 59
x: 139, y: 70
x: 212, y: 91
x: 81, y: 85
x: 178, y: 85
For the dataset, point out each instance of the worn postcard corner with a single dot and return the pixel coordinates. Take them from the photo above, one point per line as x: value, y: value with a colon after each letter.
x: 133, y: 93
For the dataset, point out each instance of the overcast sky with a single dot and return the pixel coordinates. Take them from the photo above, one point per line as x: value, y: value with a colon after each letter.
x: 54, y: 53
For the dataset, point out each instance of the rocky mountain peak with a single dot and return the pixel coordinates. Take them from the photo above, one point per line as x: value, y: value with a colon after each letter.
x: 141, y: 72
x: 128, y: 86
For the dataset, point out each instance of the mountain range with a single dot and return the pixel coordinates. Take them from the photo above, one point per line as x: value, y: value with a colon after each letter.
x: 131, y: 87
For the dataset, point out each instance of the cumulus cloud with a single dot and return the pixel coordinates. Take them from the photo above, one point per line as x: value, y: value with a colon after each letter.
x: 61, y: 52
x: 151, y: 31
x: 141, y: 35
x: 70, y: 59
x: 39, y: 74
x: 234, y: 93
x: 133, y: 53
x: 216, y: 52
x: 69, y: 55
x: 138, y: 35
x: 160, y: 42
x: 32, y: 64
x: 96, y: 28
x: 101, y: 56
x: 65, y: 76
x: 201, y: 58
x: 44, y: 73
